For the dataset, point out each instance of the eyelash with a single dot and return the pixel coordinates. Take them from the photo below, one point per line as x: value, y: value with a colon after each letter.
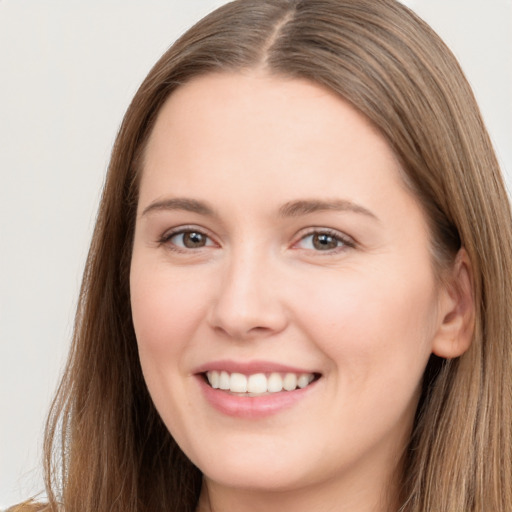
x: 344, y: 242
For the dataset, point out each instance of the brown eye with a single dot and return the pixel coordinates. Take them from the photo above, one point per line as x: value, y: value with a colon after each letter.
x: 193, y: 239
x: 189, y: 240
x: 324, y: 241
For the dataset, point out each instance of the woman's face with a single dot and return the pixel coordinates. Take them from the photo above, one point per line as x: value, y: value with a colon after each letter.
x: 276, y: 245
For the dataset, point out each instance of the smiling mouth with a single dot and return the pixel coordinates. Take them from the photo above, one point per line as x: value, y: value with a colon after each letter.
x: 258, y: 384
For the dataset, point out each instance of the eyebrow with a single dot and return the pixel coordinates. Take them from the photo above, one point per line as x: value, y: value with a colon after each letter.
x: 180, y: 203
x: 290, y: 209
x: 305, y: 207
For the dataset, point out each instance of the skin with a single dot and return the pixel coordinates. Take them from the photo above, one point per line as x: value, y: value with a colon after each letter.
x: 365, y: 313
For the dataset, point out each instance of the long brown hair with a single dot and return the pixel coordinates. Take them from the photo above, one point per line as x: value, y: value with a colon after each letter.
x: 106, y: 447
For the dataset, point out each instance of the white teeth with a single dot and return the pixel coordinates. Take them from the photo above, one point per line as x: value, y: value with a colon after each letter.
x: 223, y: 380
x: 304, y: 380
x: 258, y: 383
x: 275, y: 383
x: 238, y: 383
x: 290, y: 381
x: 214, y: 379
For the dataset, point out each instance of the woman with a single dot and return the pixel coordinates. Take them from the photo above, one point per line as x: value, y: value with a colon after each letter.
x: 298, y: 290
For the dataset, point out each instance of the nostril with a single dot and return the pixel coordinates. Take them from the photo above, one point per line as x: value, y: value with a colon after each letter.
x: 242, y: 333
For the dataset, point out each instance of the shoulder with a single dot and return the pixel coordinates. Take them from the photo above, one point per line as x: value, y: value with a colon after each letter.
x: 29, y: 506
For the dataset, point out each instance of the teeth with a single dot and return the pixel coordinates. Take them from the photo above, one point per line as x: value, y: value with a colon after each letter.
x: 303, y: 381
x: 258, y: 383
x: 214, y: 379
x: 223, y: 380
x: 290, y: 381
x: 238, y: 383
x: 274, y: 383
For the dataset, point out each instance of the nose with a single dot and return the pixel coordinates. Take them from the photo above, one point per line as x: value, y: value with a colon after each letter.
x: 248, y: 303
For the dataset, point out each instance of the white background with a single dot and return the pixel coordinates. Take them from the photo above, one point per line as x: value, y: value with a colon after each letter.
x: 68, y: 70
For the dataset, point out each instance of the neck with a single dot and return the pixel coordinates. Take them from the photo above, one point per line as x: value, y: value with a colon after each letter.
x: 330, y: 496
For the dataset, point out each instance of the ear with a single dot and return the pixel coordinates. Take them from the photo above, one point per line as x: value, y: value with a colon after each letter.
x: 457, y: 310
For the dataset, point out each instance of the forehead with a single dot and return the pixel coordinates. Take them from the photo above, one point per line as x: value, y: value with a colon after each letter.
x: 254, y: 98
x: 256, y: 126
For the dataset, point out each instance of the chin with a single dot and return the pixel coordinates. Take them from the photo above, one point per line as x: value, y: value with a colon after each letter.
x: 270, y: 468
x: 265, y: 477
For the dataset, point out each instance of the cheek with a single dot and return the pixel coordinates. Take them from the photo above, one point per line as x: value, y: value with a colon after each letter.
x: 375, y: 327
x: 165, y: 309
x: 166, y: 313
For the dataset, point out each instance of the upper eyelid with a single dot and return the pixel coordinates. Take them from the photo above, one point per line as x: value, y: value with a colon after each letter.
x: 303, y: 233
x: 183, y: 229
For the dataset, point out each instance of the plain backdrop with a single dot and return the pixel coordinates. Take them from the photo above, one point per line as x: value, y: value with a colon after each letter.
x: 68, y: 70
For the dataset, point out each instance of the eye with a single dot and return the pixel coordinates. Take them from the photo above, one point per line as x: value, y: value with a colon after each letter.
x: 187, y: 239
x: 324, y: 241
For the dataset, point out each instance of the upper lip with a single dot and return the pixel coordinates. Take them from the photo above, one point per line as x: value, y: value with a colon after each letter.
x: 250, y: 367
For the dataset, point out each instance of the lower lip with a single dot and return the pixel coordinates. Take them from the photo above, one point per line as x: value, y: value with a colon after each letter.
x: 252, y: 407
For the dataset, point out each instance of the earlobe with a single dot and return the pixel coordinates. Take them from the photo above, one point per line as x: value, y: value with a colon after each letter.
x: 457, y: 312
